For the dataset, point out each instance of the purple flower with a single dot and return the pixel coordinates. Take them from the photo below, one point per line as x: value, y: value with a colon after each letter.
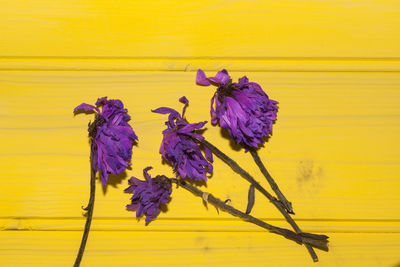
x: 242, y: 108
x: 148, y: 195
x: 179, y: 148
x: 112, y: 137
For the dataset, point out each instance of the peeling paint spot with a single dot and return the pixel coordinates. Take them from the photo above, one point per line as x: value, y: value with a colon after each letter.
x: 309, y: 174
x: 305, y: 171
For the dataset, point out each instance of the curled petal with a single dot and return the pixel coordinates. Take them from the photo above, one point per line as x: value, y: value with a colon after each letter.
x: 185, y: 101
x: 146, y: 174
x: 173, y: 114
x: 86, y: 107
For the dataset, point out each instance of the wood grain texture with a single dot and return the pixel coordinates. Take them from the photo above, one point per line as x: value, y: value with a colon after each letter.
x: 333, y: 65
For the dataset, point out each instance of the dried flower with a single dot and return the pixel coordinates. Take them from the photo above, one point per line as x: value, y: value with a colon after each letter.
x: 149, y: 195
x: 242, y: 108
x: 112, y: 137
x: 179, y: 148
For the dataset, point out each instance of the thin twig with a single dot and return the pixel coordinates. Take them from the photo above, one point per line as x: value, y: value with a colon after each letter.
x: 89, y: 210
x: 271, y: 198
x: 287, y: 205
x: 306, y: 238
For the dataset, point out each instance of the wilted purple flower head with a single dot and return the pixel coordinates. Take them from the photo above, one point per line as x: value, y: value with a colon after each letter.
x: 148, y: 195
x: 242, y: 108
x: 179, y: 148
x: 112, y: 137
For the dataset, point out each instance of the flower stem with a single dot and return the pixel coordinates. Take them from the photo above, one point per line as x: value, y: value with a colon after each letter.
x: 304, y: 238
x: 89, y: 210
x: 261, y: 189
x: 287, y: 205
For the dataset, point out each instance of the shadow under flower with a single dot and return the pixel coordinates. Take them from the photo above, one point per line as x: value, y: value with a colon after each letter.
x: 163, y: 209
x: 225, y: 134
x: 81, y: 111
x: 114, y: 180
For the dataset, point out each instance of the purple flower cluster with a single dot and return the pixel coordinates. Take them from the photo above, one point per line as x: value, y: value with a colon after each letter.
x: 242, y: 108
x: 112, y: 137
x: 179, y: 148
x: 149, y: 195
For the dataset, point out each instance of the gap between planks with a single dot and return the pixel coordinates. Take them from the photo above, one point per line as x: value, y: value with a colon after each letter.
x: 253, y: 64
x: 186, y: 224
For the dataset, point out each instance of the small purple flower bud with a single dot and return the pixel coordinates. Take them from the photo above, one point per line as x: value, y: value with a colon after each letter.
x: 149, y: 195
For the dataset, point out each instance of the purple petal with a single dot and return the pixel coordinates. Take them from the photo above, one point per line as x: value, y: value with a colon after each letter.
x: 101, y: 101
x: 191, y: 127
x: 195, y: 135
x: 86, y: 107
x: 208, y: 154
x: 201, y: 78
x: 222, y: 77
x: 214, y: 117
x: 164, y: 110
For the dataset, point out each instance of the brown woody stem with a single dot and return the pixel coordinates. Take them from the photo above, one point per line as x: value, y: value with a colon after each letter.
x: 286, y: 204
x: 89, y: 210
x: 304, y: 238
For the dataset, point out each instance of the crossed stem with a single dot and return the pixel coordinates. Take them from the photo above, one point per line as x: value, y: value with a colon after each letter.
x: 261, y: 189
x: 318, y: 241
x: 287, y: 205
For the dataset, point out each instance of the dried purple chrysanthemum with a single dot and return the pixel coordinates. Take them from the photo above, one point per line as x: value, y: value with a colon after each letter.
x: 242, y: 108
x: 179, y: 148
x: 112, y: 137
x: 149, y: 195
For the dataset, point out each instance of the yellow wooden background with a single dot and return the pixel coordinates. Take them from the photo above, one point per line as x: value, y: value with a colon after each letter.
x: 334, y: 66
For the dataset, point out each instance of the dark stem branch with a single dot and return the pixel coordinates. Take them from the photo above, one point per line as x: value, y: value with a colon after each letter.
x: 304, y: 238
x: 89, y: 210
x: 261, y: 189
x: 287, y: 205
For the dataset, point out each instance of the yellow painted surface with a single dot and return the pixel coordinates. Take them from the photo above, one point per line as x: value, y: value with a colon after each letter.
x: 334, y: 66
x: 207, y: 28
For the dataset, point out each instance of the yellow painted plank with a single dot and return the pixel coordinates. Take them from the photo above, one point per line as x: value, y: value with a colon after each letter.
x: 334, y: 151
x: 122, y: 248
x: 245, y: 29
x: 334, y: 66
